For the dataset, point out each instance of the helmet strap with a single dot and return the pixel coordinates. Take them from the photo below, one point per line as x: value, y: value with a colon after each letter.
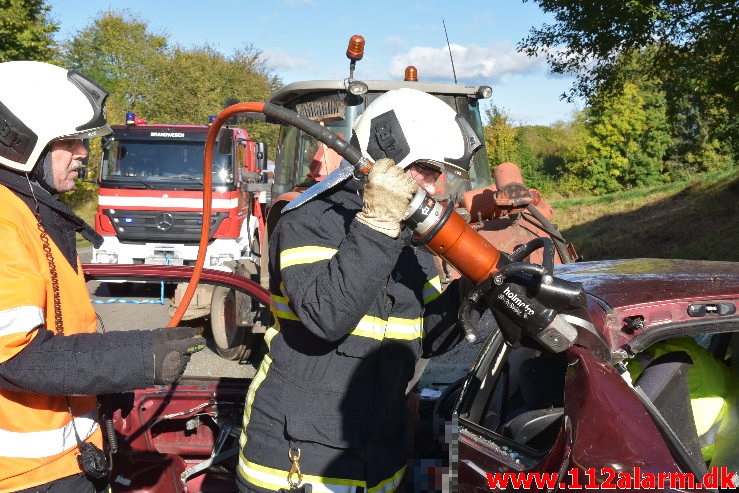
x: 35, y: 200
x: 43, y: 173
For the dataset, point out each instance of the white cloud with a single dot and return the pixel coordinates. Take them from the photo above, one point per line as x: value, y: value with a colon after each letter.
x: 471, y: 63
x: 280, y: 60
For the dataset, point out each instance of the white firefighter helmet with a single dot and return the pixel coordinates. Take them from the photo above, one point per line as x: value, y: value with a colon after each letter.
x: 41, y: 103
x: 411, y: 126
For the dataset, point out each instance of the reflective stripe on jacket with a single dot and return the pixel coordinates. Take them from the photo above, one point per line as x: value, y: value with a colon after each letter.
x: 37, y: 442
x: 353, y: 310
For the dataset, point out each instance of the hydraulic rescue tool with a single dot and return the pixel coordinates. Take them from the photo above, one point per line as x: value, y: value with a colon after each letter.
x: 526, y: 298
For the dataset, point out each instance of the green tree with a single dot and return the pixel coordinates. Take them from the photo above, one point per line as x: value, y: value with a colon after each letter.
x: 537, y: 150
x: 699, y: 141
x: 500, y: 137
x: 693, y: 47
x: 26, y: 32
x: 543, y: 154
x: 120, y: 53
x: 624, y: 140
x: 193, y: 84
x: 165, y: 84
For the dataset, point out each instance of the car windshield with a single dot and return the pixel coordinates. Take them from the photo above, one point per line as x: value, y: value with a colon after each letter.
x: 150, y: 162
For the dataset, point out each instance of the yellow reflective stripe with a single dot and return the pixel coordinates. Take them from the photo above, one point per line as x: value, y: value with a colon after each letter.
x: 280, y: 307
x: 372, y: 327
x: 270, y: 333
x: 406, y: 329
x: 394, y: 328
x: 431, y: 290
x: 20, y: 320
x: 38, y: 444
x: 390, y: 484
x: 274, y: 479
x: 305, y: 255
x: 255, y: 383
x: 706, y: 411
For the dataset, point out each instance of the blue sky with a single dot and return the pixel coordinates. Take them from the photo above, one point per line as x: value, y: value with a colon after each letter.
x: 306, y: 39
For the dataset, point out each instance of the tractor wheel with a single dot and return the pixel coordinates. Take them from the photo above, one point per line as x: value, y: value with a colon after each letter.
x: 232, y: 322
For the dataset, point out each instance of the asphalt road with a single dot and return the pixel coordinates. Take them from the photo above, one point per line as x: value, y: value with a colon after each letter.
x: 148, y: 308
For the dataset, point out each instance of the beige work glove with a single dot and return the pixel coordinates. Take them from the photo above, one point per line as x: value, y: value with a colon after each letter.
x: 386, y: 196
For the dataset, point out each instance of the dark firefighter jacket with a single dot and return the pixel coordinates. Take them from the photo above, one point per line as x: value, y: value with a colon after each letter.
x: 44, y: 374
x: 353, y: 312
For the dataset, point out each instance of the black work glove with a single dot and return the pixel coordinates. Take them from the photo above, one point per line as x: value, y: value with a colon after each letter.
x: 172, y: 347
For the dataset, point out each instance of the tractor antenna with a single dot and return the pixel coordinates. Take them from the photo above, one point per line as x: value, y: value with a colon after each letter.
x: 450, y: 50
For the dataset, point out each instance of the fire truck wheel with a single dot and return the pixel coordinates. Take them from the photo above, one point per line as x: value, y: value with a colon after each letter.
x: 231, y: 320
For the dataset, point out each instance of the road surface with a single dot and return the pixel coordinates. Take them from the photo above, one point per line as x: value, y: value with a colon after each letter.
x: 148, y: 308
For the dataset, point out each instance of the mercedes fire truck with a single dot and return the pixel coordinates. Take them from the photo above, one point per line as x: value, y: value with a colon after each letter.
x: 150, y: 208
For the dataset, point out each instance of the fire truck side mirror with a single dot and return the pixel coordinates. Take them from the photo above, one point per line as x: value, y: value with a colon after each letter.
x: 260, y: 155
x: 225, y: 142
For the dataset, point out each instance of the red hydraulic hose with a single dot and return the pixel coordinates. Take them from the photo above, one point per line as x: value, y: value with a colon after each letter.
x: 222, y: 117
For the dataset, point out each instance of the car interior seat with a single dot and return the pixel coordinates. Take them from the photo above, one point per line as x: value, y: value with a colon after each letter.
x: 541, y: 383
x: 664, y: 381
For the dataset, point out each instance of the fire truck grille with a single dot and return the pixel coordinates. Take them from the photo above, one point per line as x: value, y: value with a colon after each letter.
x: 159, y: 226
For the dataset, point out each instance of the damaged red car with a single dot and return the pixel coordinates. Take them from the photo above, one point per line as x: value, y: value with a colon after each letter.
x: 522, y: 416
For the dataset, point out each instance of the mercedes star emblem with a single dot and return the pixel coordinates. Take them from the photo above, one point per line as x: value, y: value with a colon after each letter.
x: 165, y: 221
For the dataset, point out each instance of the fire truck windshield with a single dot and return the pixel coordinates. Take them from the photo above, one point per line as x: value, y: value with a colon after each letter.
x: 157, y: 161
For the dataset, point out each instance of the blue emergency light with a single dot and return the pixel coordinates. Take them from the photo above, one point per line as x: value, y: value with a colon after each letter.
x: 211, y: 119
x: 128, y: 220
x: 130, y: 118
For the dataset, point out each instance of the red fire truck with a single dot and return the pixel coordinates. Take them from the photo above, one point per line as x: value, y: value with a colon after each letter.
x: 150, y: 210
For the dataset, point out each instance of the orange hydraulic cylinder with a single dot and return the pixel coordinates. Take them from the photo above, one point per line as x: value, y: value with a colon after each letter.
x: 464, y: 248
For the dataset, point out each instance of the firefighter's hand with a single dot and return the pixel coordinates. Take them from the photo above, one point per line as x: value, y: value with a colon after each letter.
x: 172, y: 347
x: 386, y: 197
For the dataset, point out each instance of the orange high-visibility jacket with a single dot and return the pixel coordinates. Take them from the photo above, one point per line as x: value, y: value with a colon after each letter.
x: 37, y: 439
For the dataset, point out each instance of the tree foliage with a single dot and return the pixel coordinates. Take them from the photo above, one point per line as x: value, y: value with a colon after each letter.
x: 119, y: 52
x: 500, y: 137
x: 26, y: 32
x: 619, y: 141
x: 623, y: 140
x: 537, y: 150
x: 163, y: 83
x: 693, y: 49
x: 195, y: 83
x: 587, y: 38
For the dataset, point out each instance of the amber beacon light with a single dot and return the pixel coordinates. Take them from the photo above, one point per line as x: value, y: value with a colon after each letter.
x: 355, y: 50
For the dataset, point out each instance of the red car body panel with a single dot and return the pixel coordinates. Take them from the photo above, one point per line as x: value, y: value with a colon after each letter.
x: 659, y: 290
x: 162, y: 432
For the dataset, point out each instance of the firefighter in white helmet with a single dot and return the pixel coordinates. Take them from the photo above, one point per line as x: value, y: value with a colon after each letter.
x: 355, y: 305
x: 52, y: 360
